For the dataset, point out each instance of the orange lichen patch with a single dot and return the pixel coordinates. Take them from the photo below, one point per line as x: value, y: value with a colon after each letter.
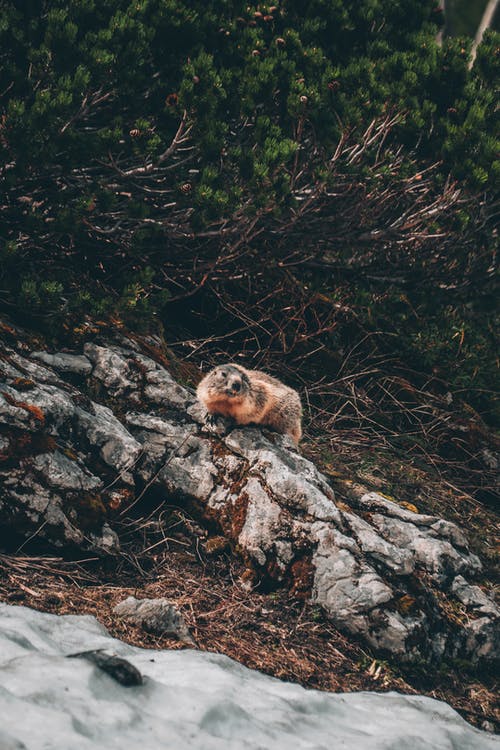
x: 231, y: 518
x: 239, y: 514
x: 35, y: 411
x: 406, y: 604
x: 302, y: 575
x: 22, y: 384
x: 216, y: 544
x: 118, y: 497
x: 248, y: 576
x: 274, y: 570
x: 409, y: 506
x: 388, y: 497
x: 5, y: 329
x: 114, y: 503
x: 219, y: 450
x: 343, y: 506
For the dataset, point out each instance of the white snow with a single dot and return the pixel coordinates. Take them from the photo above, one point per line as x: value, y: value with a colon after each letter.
x: 190, y: 700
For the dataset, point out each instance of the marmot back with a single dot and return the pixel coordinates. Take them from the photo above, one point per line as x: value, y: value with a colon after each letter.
x: 252, y: 397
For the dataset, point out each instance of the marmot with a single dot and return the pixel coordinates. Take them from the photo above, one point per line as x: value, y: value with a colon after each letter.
x: 252, y: 397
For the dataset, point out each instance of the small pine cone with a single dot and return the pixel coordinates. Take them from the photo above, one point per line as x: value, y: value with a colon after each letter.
x: 256, y: 53
x: 304, y: 99
x: 171, y: 100
x: 268, y: 18
x: 186, y: 188
x: 135, y: 133
x: 257, y: 14
x: 280, y: 41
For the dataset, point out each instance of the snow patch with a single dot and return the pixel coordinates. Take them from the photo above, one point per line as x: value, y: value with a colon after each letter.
x: 190, y: 700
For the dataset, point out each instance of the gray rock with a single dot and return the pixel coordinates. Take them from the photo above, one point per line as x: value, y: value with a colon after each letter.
x: 125, y: 373
x: 74, y: 363
x: 397, y: 559
x: 399, y: 635
x: 291, y: 478
x: 473, y: 597
x: 33, y: 506
x: 55, y: 407
x: 39, y: 499
x: 436, y: 555
x: 8, y: 371
x: 190, y: 470
x: 10, y: 414
x: 112, y: 369
x: 106, y: 540
x: 262, y: 522
x: 45, y: 491
x: 117, y: 446
x: 161, y: 388
x: 347, y: 587
x: 61, y: 473
x: 374, y: 501
x: 156, y: 616
x: 29, y: 369
x: 165, y: 428
x: 177, y: 460
x: 483, y: 639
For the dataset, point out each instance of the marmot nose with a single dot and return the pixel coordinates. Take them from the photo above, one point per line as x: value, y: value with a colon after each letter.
x: 236, y: 387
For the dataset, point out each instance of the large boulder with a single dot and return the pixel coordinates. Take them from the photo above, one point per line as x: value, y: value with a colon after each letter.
x: 81, y: 432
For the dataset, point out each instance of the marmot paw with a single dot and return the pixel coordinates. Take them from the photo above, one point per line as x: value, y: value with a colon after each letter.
x: 218, y: 424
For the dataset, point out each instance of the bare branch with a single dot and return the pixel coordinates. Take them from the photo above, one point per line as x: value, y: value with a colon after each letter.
x: 485, y: 23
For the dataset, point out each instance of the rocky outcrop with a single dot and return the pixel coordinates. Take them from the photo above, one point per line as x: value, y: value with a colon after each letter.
x: 82, y: 434
x: 156, y: 616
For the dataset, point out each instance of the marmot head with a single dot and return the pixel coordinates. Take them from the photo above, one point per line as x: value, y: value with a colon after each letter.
x: 229, y: 380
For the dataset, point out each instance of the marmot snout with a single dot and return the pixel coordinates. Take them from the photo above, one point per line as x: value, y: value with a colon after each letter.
x: 227, y: 380
x: 252, y: 397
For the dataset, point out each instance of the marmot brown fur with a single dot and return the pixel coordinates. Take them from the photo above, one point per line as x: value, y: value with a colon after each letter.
x: 252, y: 397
